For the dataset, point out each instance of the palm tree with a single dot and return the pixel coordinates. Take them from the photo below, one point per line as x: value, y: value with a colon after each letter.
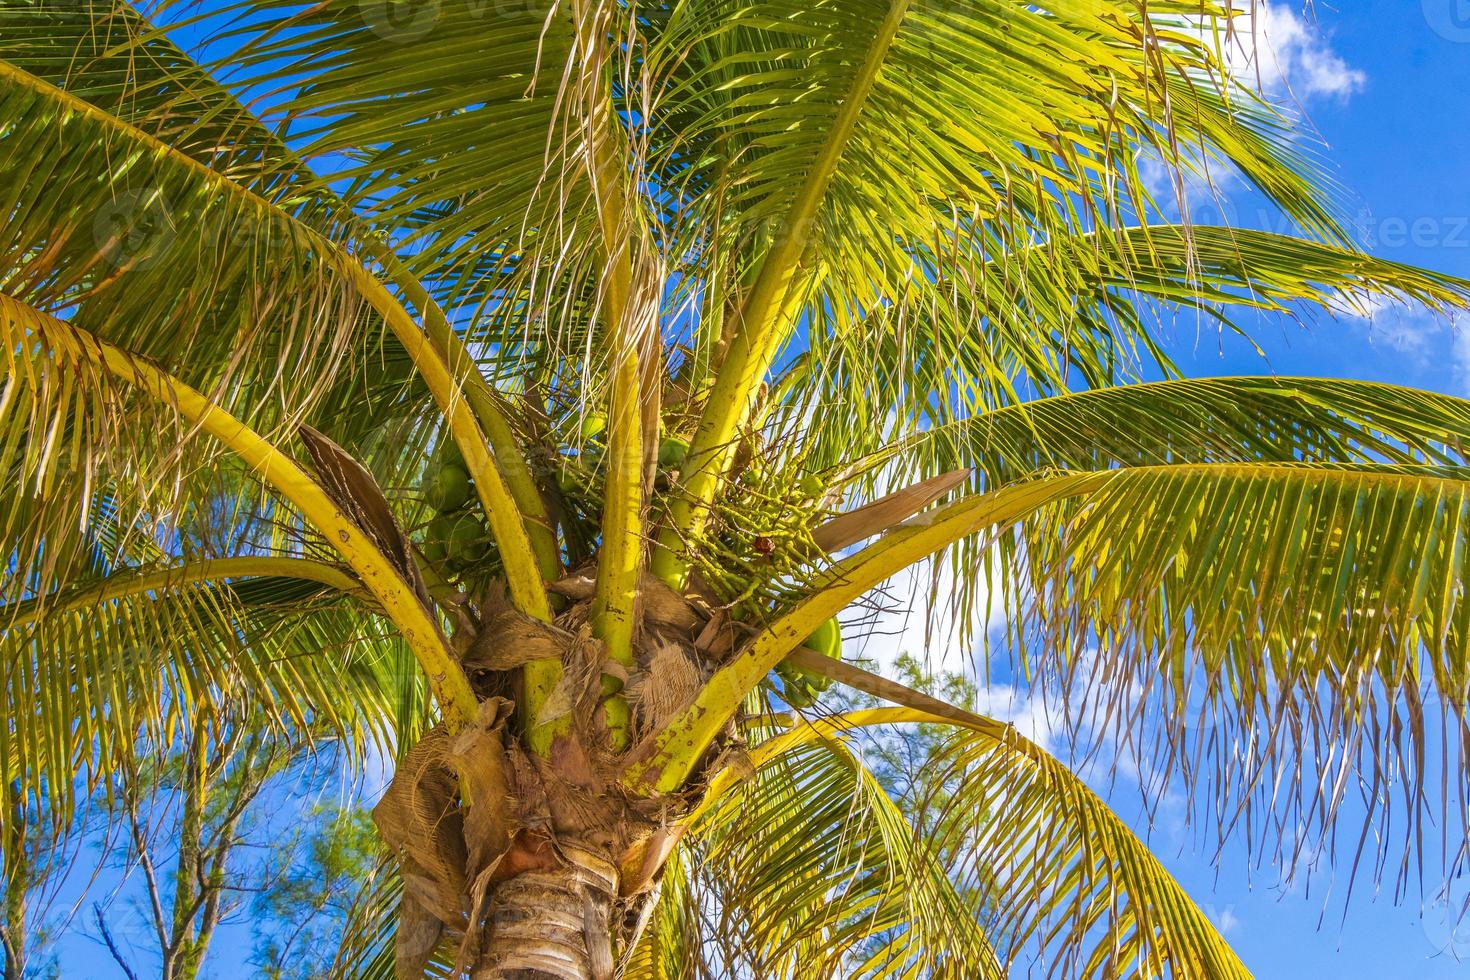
x: 573, y: 353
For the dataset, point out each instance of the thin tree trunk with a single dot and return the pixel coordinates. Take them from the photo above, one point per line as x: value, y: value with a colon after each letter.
x: 552, y: 925
x: 181, y: 958
x: 17, y: 882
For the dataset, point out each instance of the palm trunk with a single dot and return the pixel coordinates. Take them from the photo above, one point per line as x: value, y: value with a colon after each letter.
x: 552, y: 925
x: 514, y: 858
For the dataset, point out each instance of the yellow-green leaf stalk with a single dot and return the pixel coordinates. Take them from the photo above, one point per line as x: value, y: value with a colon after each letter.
x: 22, y: 327
x: 763, y: 321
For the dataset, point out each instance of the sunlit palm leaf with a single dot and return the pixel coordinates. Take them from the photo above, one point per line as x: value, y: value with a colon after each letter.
x: 180, y: 177
x: 108, y: 54
x: 105, y: 233
x: 810, y: 870
x: 90, y: 687
x: 1071, y: 885
x: 448, y: 128
x: 885, y: 368
x: 1024, y: 852
x: 1264, y: 617
x: 1205, y: 420
x: 1211, y: 420
x: 1277, y: 562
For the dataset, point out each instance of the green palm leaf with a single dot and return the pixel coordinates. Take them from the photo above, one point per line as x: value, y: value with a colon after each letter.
x: 89, y: 687
x: 797, y: 871
x: 700, y: 273
x: 1069, y: 294
x: 1051, y: 877
x: 1185, y: 421
x: 1237, y: 594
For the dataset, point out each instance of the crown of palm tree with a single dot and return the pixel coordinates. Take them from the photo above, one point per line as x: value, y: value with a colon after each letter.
x: 682, y: 290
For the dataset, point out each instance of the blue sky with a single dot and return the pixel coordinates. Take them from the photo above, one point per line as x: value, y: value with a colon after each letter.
x: 1387, y: 85
x: 1387, y: 88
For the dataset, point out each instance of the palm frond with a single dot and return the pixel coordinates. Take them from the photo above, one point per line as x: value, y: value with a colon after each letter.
x: 105, y: 233
x: 139, y: 581
x: 53, y: 367
x: 1072, y: 886
x: 810, y: 870
x: 274, y: 240
x: 1283, y: 624
x: 383, y: 98
x: 935, y: 184
x: 1213, y: 600
x: 1206, y: 420
x: 1024, y: 860
x: 1013, y: 331
x: 1211, y: 420
x: 108, y: 54
x: 90, y: 688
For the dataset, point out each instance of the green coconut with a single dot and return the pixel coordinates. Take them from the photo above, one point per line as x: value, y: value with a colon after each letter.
x: 671, y: 452
x: 448, y: 488
x: 798, y: 688
x: 435, y: 547
x: 798, y: 694
x: 827, y: 640
x: 566, y: 478
x: 448, y: 452
x: 434, y: 550
x: 468, y: 540
x: 593, y: 425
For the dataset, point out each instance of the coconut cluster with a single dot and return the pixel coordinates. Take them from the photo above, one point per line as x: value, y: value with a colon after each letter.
x: 800, y: 687
x: 457, y: 543
x: 457, y: 538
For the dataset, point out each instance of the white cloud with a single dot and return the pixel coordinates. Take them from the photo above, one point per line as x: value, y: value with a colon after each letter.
x: 1225, y: 919
x: 1284, y: 52
x: 1281, y: 54
x: 1203, y: 197
x: 1026, y: 710
x: 1406, y: 329
x: 906, y: 622
x: 1425, y: 339
x: 908, y: 625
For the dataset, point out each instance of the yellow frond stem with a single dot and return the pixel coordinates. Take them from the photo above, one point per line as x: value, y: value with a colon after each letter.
x: 74, y: 348
x: 684, y: 740
x: 522, y: 572
x: 485, y: 405
x: 133, y: 582
x: 620, y: 557
x: 1153, y: 894
x: 527, y: 586
x: 763, y: 323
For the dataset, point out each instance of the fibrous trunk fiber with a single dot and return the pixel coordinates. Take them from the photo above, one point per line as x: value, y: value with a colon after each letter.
x: 551, y: 925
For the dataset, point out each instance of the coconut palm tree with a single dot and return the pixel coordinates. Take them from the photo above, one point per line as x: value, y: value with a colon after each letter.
x: 533, y: 384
